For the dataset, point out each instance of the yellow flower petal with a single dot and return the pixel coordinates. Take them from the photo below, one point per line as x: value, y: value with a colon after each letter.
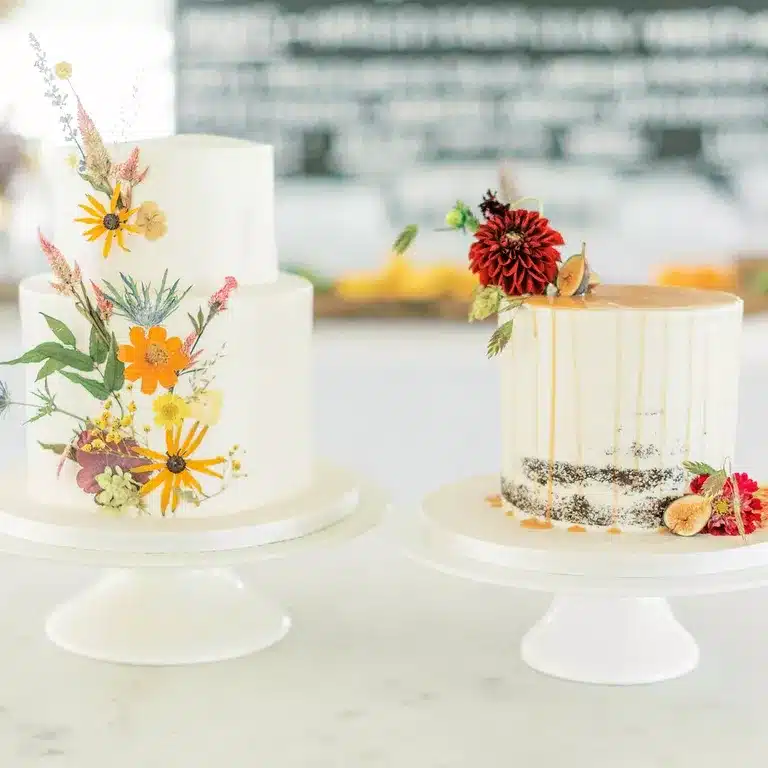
x: 108, y: 243
x: 115, y: 198
x: 97, y: 205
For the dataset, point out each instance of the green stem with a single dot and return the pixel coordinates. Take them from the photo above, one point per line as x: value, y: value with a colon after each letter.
x: 533, y: 199
x: 54, y: 409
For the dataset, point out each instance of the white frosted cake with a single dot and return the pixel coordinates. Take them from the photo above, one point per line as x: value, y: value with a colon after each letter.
x: 618, y: 403
x: 167, y: 359
x: 606, y: 395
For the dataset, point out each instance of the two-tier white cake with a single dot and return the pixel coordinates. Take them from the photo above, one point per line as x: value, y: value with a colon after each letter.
x: 169, y: 358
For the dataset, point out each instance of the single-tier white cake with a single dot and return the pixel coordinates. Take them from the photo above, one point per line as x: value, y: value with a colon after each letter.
x: 169, y: 359
x: 605, y: 395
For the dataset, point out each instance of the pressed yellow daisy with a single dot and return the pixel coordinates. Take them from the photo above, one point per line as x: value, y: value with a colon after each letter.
x: 113, y: 223
x: 174, y: 468
x: 170, y: 410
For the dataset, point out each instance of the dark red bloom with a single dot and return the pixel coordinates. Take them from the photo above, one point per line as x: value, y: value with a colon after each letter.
x: 723, y: 520
x: 516, y: 251
x: 491, y: 206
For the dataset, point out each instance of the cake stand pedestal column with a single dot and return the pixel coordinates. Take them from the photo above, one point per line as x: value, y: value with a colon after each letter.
x: 161, y: 616
x: 610, y: 640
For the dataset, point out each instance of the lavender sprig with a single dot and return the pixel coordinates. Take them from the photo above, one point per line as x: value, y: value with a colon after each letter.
x: 54, y: 94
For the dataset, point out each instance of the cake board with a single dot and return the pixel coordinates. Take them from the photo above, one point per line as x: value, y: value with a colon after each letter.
x: 609, y: 621
x: 181, y: 606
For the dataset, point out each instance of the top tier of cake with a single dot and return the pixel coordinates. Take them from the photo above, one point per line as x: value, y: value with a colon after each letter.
x: 215, y: 194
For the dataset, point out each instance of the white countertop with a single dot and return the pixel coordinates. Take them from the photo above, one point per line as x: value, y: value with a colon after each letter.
x: 388, y: 664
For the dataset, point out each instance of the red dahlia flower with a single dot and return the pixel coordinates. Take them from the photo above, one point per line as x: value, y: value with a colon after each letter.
x: 723, y: 520
x: 515, y: 250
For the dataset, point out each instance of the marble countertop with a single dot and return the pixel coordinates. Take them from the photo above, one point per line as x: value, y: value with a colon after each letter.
x: 388, y: 664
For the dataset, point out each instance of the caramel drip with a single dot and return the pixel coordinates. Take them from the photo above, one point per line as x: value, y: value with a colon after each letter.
x: 664, y: 389
x: 552, y: 417
x: 577, y: 396
x: 534, y: 524
x: 577, y: 529
x: 616, y: 422
x: 640, y: 405
x: 689, y: 390
x: 637, y: 297
x: 536, y: 409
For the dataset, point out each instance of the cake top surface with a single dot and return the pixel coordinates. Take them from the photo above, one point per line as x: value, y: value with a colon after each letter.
x: 638, y: 297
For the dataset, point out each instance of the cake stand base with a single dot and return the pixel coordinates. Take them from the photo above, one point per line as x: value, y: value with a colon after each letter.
x: 610, y: 641
x: 164, y: 616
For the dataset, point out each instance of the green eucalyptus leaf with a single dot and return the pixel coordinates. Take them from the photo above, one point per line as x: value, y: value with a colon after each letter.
x: 60, y: 331
x: 93, y: 387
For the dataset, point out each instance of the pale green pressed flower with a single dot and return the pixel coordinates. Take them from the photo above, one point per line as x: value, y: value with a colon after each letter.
x: 119, y: 490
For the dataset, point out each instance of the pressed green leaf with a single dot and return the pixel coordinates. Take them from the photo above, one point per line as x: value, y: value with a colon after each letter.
x: 698, y: 468
x: 500, y: 339
x: 97, y: 349
x: 200, y: 318
x: 95, y: 388
x: 72, y: 358
x: 58, y: 448
x: 114, y: 372
x: 49, y: 366
x: 60, y: 331
x: 37, y: 355
x: 194, y: 323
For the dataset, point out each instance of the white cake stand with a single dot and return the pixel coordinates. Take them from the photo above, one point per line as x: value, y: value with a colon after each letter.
x: 180, y: 607
x: 609, y: 621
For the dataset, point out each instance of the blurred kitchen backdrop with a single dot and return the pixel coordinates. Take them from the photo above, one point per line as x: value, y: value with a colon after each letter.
x: 642, y: 126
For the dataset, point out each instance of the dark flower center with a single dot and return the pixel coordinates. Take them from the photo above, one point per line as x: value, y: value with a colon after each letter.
x: 176, y: 464
x: 111, y: 221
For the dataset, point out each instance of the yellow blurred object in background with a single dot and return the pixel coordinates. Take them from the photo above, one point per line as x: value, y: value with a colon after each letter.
x: 707, y: 277
x: 400, y: 279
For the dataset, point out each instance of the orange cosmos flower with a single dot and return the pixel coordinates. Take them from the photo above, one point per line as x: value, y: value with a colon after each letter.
x: 153, y: 358
x: 174, y: 469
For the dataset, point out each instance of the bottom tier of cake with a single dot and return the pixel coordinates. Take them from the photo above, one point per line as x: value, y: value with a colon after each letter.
x: 232, y: 432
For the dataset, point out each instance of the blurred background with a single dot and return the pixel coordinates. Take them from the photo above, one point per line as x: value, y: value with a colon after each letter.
x: 643, y: 126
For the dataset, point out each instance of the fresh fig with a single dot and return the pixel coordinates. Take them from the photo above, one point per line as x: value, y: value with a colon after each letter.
x: 688, y: 515
x: 573, y: 277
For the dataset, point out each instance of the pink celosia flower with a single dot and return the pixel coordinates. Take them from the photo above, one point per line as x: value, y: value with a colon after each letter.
x: 186, y: 348
x: 68, y: 278
x: 218, y: 302
x: 103, y: 304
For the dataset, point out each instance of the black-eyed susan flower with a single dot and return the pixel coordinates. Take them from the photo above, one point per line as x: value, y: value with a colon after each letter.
x: 173, y: 470
x: 112, y: 223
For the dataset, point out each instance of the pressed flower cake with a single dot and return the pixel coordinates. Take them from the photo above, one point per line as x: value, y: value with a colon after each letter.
x: 167, y: 360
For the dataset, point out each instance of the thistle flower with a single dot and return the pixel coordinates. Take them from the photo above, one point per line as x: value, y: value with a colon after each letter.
x: 218, y: 302
x: 68, y: 277
x: 143, y: 305
x: 5, y: 398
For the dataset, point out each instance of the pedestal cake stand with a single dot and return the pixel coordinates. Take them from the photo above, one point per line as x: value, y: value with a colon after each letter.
x: 172, y: 599
x: 609, y: 621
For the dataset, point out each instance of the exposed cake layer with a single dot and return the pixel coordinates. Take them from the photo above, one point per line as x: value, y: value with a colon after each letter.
x: 604, y: 397
x: 264, y: 378
x: 216, y: 195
